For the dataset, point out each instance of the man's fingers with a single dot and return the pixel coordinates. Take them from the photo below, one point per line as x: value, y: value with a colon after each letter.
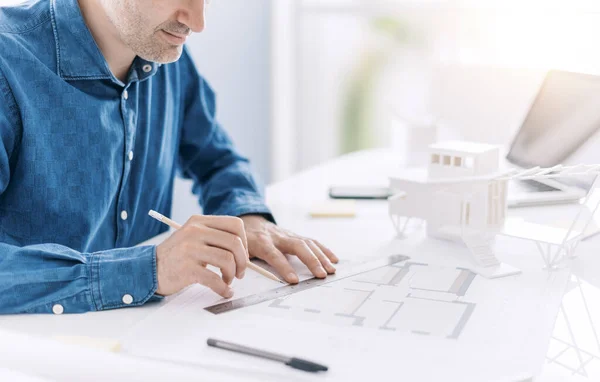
x: 330, y: 255
x: 220, y: 258
x: 214, y: 282
x: 228, y: 242
x: 300, y: 249
x: 230, y: 224
x: 277, y: 260
x: 325, y: 262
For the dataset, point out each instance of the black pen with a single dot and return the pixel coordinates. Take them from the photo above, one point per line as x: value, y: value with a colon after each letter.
x: 296, y: 363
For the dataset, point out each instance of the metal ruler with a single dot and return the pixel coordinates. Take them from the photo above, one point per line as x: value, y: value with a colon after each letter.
x: 273, y: 294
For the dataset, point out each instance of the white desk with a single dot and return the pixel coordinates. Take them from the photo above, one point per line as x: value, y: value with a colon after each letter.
x: 574, y: 352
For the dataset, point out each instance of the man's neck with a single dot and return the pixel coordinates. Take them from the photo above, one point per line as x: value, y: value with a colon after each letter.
x: 118, y: 56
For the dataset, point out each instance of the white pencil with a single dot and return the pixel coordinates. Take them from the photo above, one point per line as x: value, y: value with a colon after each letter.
x: 163, y: 219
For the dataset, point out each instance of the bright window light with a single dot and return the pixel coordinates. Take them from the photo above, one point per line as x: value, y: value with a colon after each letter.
x: 469, y: 162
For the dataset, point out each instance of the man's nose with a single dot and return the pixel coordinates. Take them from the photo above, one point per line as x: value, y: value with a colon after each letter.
x: 193, y: 15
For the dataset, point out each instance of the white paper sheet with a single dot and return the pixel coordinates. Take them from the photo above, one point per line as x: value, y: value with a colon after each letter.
x: 505, y: 334
x: 15, y: 376
x: 55, y: 361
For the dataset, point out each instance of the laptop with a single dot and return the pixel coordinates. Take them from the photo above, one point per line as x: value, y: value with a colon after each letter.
x: 563, y: 116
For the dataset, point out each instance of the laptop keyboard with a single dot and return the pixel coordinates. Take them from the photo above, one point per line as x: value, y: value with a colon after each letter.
x: 533, y: 186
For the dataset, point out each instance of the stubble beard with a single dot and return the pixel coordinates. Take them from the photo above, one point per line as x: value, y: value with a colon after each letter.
x: 145, y: 42
x: 154, y: 50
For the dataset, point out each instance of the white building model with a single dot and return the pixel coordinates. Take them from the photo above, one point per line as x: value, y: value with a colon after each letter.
x: 462, y: 195
x: 459, y: 193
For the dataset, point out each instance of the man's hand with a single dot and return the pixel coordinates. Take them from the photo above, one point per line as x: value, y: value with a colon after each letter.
x: 216, y: 240
x: 268, y: 242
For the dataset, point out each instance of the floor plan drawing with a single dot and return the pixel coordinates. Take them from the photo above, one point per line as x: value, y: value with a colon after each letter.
x: 402, y: 297
x: 426, y: 309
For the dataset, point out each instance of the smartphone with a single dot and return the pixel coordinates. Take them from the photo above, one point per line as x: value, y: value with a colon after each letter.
x: 359, y: 192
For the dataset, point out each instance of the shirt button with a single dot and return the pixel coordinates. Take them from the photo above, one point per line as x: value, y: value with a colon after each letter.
x: 130, y: 155
x: 58, y: 309
x: 123, y: 215
x: 126, y: 94
x: 127, y: 299
x: 147, y: 68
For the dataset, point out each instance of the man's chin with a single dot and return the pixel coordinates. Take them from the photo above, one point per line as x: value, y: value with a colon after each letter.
x: 164, y: 56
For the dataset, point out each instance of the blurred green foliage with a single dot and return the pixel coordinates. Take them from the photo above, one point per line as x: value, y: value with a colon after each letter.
x: 357, y: 133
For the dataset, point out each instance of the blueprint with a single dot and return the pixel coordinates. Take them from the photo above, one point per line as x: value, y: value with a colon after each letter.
x: 433, y: 317
x: 404, y: 297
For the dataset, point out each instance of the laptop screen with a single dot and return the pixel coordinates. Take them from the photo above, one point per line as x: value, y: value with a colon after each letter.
x: 565, y: 113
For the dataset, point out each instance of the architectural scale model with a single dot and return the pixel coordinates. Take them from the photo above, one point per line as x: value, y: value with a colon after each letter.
x: 462, y: 195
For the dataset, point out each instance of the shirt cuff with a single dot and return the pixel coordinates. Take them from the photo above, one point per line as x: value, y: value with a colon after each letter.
x: 244, y: 203
x: 267, y: 216
x: 255, y: 209
x: 123, y: 277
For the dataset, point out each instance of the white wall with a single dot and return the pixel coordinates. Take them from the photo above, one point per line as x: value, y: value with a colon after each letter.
x: 233, y: 55
x: 474, y: 65
x: 484, y: 103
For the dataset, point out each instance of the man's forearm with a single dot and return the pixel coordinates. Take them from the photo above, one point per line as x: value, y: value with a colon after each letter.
x: 49, y: 278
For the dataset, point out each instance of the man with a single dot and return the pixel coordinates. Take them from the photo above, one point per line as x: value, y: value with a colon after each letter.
x: 100, y: 105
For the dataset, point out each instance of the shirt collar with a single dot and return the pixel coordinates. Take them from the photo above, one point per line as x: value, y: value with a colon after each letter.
x: 78, y: 55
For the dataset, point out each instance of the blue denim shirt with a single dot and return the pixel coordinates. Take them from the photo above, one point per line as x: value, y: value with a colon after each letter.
x: 84, y: 157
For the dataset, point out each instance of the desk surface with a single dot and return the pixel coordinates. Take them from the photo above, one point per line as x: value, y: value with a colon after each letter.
x: 574, y: 350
